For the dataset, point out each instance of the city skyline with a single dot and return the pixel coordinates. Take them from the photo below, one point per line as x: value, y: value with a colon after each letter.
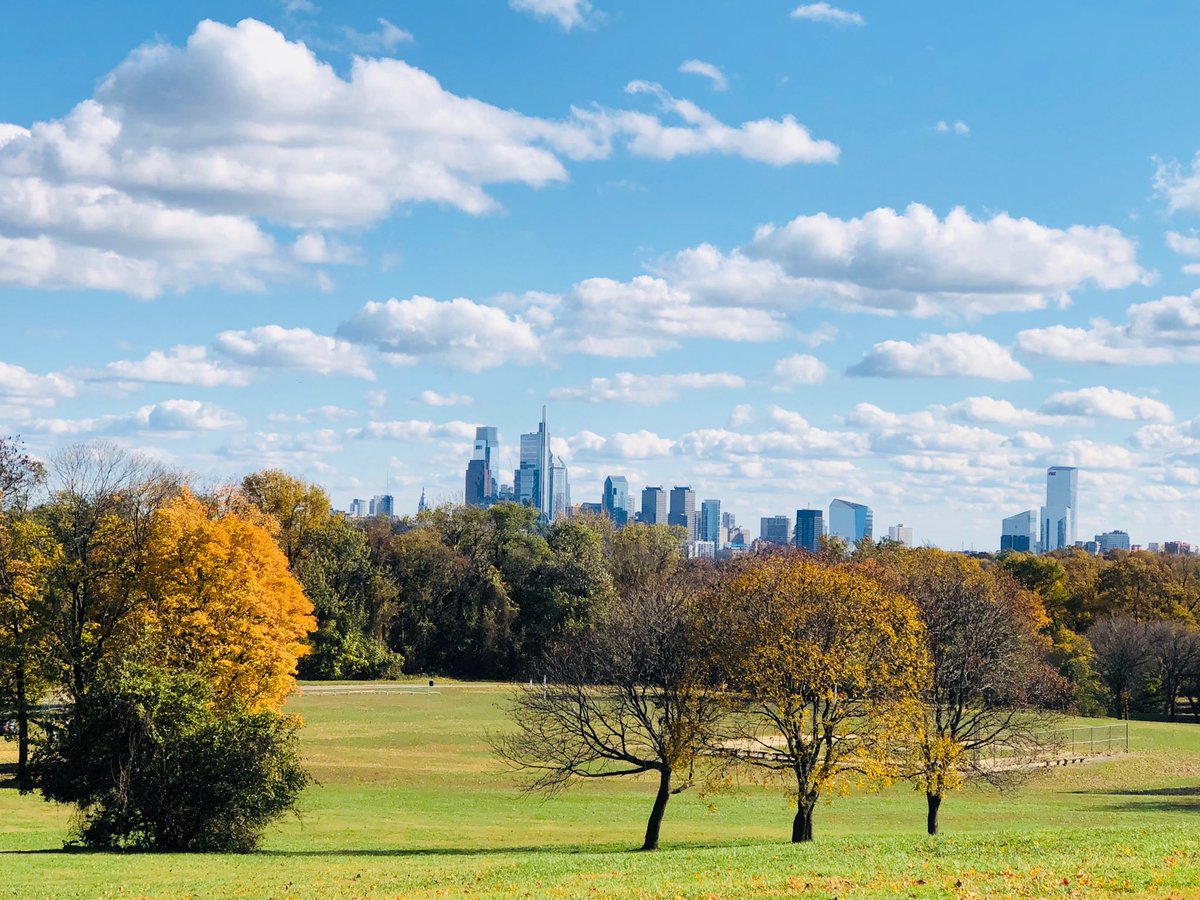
x: 778, y: 258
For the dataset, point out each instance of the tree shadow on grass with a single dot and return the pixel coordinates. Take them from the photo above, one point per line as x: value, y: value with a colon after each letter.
x: 1167, y: 799
x: 397, y: 852
x: 1145, y: 792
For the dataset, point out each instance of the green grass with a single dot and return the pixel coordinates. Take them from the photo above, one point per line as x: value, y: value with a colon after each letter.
x: 411, y: 803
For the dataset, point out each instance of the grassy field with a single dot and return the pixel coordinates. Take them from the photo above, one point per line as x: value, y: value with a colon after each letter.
x: 410, y: 803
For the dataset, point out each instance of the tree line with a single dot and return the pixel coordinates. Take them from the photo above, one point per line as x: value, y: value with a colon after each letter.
x: 152, y: 628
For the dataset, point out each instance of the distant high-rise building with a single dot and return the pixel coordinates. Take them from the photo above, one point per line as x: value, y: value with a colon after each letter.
x: 1112, y: 540
x: 775, y: 529
x: 728, y: 521
x: 1177, y: 548
x: 901, y: 534
x: 710, y: 522
x: 682, y: 510
x: 591, y: 509
x: 616, y: 499
x: 532, y: 479
x: 1059, y: 514
x: 358, y: 508
x: 421, y: 504
x: 810, y: 528
x: 850, y: 521
x: 481, y: 470
x: 654, y: 506
x: 1019, y: 533
x: 381, y: 505
x: 560, y: 489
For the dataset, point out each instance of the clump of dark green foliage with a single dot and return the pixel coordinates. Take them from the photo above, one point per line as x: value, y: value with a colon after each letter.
x: 152, y: 762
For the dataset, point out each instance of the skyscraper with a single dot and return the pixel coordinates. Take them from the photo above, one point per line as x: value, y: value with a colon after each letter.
x: 481, y: 470
x: 616, y: 499
x: 560, y: 489
x: 358, y: 508
x: 1112, y: 540
x: 774, y: 529
x: 532, y: 479
x: 683, y: 510
x: 710, y: 522
x: 381, y: 505
x: 901, y: 534
x: 654, y: 506
x: 1019, y: 532
x: 810, y: 528
x: 850, y: 521
x: 1058, y: 515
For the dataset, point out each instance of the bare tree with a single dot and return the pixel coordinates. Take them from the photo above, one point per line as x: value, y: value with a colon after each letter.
x: 630, y: 695
x: 1122, y: 655
x: 988, y: 686
x: 102, y: 499
x: 1175, y: 647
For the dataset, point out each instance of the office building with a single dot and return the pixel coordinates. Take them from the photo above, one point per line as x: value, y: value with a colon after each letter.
x: 1112, y: 540
x: 851, y: 521
x: 532, y: 480
x: 560, y: 489
x: 700, y: 550
x: 682, y: 511
x: 654, y: 506
x: 710, y: 522
x: 810, y: 528
x: 1059, y: 514
x: 358, y: 508
x: 591, y: 509
x: 381, y: 505
x: 1019, y: 533
x: 481, y: 470
x: 901, y: 534
x: 728, y: 521
x: 775, y: 529
x: 1177, y: 548
x: 616, y: 499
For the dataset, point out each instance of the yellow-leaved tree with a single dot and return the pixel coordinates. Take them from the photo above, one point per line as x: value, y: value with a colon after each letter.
x: 223, y: 603
x: 826, y: 662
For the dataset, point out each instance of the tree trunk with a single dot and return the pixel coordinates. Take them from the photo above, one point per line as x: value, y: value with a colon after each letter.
x: 660, y: 807
x: 802, y: 825
x: 22, y: 730
x: 931, y: 820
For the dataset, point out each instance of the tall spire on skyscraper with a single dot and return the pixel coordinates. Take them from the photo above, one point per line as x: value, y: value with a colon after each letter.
x: 421, y: 506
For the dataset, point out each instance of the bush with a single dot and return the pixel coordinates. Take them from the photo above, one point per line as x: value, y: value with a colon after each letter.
x: 153, y: 763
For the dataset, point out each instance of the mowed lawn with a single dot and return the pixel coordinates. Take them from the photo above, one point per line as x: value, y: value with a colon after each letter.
x: 410, y: 802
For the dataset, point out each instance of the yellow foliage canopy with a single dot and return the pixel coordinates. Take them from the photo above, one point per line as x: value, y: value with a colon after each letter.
x: 224, y: 604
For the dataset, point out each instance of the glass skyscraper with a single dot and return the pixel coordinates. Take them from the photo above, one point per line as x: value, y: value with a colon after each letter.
x: 850, y: 521
x: 1058, y: 515
x: 810, y: 528
x: 654, y: 506
x: 615, y: 503
x: 710, y: 521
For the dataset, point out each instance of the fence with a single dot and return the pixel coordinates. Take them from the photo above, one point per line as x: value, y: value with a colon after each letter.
x: 1061, y: 746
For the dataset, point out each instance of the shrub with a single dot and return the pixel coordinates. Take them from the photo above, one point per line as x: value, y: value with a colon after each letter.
x: 153, y: 763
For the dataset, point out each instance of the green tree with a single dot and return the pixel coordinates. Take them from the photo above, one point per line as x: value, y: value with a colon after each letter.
x: 153, y: 762
x: 827, y: 663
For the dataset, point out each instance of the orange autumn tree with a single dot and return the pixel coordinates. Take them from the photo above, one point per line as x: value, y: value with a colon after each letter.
x: 223, y: 604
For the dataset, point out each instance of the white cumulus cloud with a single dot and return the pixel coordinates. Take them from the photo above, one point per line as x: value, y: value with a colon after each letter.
x: 824, y: 12
x: 800, y: 369
x: 273, y: 346
x: 1108, y: 403
x: 567, y: 13
x: 626, y: 387
x: 460, y: 332
x: 182, y: 364
x: 955, y: 355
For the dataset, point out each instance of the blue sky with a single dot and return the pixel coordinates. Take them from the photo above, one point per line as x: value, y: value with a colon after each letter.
x: 905, y: 254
